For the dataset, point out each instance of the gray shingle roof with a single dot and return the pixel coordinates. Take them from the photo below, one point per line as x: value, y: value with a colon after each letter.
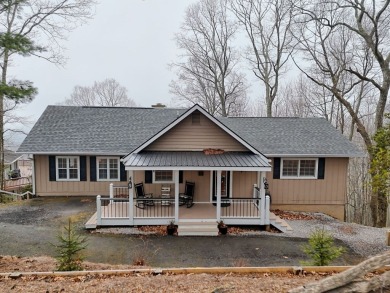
x: 196, y: 159
x: 104, y: 130
x: 292, y: 136
x: 95, y: 130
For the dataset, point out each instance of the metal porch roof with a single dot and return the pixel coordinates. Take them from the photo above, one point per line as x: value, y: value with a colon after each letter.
x: 196, y: 160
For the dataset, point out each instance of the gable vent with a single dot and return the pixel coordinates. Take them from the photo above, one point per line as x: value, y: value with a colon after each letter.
x: 196, y: 118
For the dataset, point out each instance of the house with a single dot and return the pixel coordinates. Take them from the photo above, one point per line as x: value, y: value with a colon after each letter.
x: 231, y: 161
x: 17, y: 170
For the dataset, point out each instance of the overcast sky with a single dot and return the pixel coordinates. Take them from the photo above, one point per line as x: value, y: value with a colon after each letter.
x: 130, y: 41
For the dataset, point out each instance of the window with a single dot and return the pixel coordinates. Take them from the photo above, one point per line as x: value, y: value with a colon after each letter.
x: 163, y: 176
x: 299, y: 168
x: 68, y: 168
x: 107, y: 168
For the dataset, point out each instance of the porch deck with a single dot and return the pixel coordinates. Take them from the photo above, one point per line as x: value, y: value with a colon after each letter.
x: 202, y: 212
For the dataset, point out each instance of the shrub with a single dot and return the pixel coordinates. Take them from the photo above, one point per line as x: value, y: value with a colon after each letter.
x: 321, y: 248
x: 69, y: 257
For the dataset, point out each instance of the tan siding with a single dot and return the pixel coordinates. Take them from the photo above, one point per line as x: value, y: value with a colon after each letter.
x: 314, y: 192
x: 188, y: 137
x: 44, y: 187
x: 243, y: 183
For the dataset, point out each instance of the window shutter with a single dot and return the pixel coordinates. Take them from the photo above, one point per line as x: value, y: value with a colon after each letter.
x: 214, y: 185
x: 52, y: 168
x: 321, y: 168
x: 180, y: 176
x: 276, y: 168
x: 148, y: 176
x: 122, y: 172
x: 83, y: 168
x: 92, y: 168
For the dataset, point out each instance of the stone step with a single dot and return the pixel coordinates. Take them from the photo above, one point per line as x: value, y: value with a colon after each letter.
x: 196, y: 233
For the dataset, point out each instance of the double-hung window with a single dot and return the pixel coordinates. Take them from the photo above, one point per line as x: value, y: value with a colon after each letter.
x: 107, y: 168
x: 299, y: 168
x: 163, y: 176
x: 68, y: 168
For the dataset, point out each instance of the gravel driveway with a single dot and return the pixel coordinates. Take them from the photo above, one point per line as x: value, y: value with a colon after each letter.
x: 28, y: 228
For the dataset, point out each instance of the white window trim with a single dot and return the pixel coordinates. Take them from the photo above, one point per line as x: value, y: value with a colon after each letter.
x: 156, y: 181
x: 67, y: 168
x: 108, y: 169
x: 299, y: 165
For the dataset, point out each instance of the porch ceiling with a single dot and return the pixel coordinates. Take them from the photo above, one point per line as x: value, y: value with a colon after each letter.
x: 242, y: 161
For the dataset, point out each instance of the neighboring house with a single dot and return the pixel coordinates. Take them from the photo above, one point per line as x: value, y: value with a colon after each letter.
x: 17, y: 170
x: 81, y: 150
x: 16, y: 165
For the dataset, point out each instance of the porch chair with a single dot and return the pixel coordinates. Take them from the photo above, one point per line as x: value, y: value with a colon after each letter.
x: 141, y: 196
x: 187, y: 198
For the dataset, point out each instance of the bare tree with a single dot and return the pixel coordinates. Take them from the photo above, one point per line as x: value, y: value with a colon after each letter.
x: 267, y: 25
x: 336, y: 36
x: 44, y: 21
x: 107, y: 93
x: 208, y: 72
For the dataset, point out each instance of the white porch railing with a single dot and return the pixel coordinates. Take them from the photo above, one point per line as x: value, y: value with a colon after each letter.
x: 119, y: 209
x: 253, y: 210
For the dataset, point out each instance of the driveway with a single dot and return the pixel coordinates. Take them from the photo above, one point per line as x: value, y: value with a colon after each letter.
x: 29, y: 228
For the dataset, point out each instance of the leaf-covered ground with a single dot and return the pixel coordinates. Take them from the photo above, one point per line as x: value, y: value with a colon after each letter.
x: 139, y: 282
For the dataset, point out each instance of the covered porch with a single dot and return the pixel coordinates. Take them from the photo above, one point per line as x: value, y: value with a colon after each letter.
x: 229, y: 187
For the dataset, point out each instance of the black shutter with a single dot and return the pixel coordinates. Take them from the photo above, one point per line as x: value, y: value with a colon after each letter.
x: 52, y: 168
x: 92, y: 168
x: 123, y: 172
x: 180, y: 176
x: 321, y: 168
x: 148, y: 176
x: 83, y: 168
x: 276, y: 168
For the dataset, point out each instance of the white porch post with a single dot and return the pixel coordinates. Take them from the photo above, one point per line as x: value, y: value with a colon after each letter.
x: 219, y: 173
x: 263, y: 211
x: 111, y: 190
x: 131, y: 198
x: 98, y: 211
x: 176, y: 176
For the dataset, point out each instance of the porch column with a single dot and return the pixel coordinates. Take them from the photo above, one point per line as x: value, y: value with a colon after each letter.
x: 176, y: 178
x: 131, y: 197
x: 219, y: 173
x: 263, y: 212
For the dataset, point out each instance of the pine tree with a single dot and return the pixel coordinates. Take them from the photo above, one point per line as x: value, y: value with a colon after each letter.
x: 321, y: 248
x: 69, y: 256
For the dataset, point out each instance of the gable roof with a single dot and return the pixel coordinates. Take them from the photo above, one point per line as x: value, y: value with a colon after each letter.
x: 120, y: 131
x: 191, y: 110
x: 293, y: 137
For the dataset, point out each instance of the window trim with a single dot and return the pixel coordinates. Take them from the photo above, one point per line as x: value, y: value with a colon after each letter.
x: 299, y: 166
x: 67, y: 168
x: 156, y: 181
x: 108, y: 168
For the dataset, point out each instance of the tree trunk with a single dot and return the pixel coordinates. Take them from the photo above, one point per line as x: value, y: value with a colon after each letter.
x: 342, y: 281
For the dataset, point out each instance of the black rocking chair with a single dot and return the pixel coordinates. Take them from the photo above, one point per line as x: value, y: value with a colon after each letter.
x: 141, y: 197
x: 187, y: 198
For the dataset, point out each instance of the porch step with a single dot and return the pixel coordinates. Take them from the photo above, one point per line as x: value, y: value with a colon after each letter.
x: 279, y: 223
x: 197, y: 229
x: 92, y: 222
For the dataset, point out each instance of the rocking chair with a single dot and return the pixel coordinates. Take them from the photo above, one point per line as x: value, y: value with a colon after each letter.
x: 187, y: 198
x: 142, y: 197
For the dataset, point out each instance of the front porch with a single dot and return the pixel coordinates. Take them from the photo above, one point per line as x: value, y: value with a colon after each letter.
x: 113, y: 211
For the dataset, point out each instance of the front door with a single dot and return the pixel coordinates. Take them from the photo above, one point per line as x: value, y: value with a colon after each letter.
x: 225, y: 185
